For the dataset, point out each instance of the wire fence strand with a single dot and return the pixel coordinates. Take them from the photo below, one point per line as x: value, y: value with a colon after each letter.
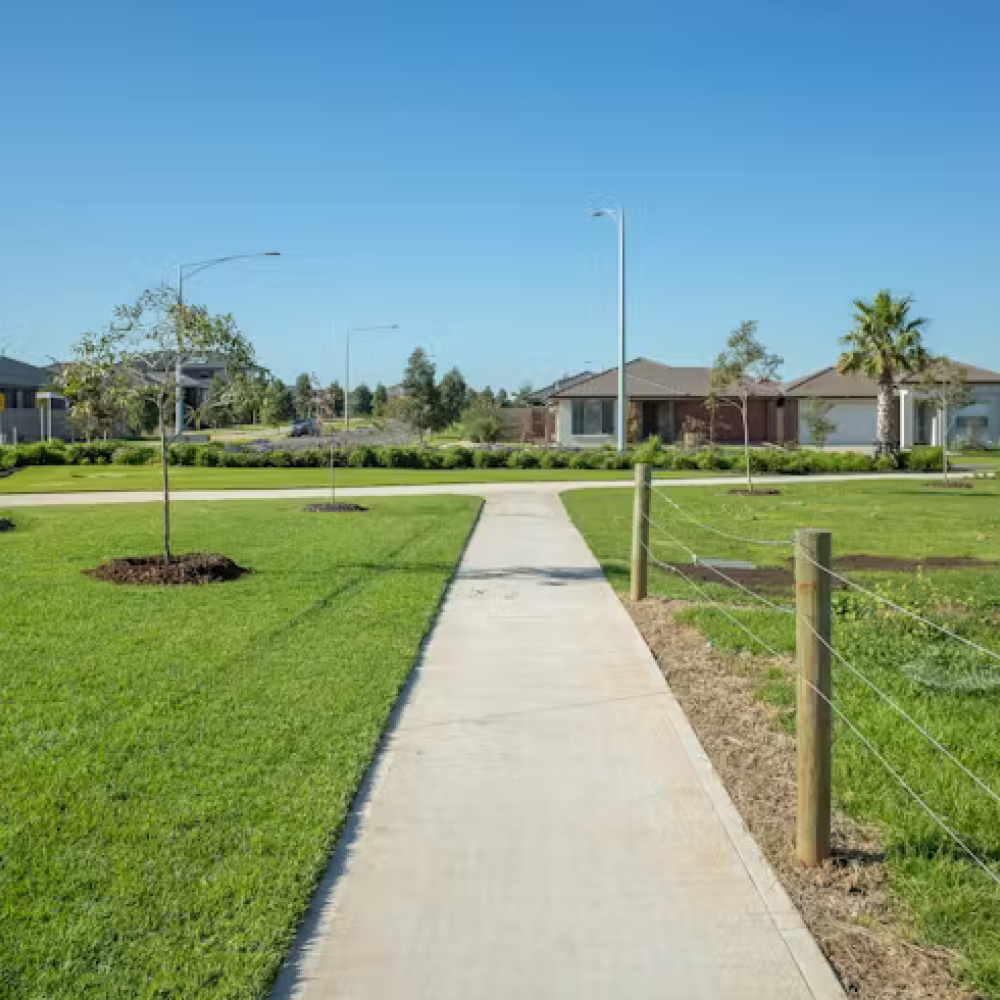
x: 851, y: 725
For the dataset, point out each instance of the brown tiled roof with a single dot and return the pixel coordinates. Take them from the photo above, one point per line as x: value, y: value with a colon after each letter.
x: 644, y: 379
x: 828, y: 382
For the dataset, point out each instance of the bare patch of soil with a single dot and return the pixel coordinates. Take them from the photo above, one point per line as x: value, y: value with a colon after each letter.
x: 334, y: 508
x: 194, y: 568
x: 766, y: 577
x: 763, y: 492
x: 845, y: 902
x: 6, y: 524
x: 951, y: 485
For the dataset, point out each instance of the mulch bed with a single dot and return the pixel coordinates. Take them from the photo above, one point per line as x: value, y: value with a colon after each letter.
x: 194, y: 568
x: 763, y: 492
x: 6, y: 524
x: 768, y: 577
x: 951, y: 485
x: 334, y: 508
x: 845, y: 902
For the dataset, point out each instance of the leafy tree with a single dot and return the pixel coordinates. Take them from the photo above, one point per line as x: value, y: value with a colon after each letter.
x: 243, y: 396
x: 487, y: 393
x: 303, y: 396
x: 380, y: 400
x: 945, y: 387
x: 97, y: 401
x: 361, y: 400
x: 816, y: 415
x: 138, y: 357
x: 423, y: 395
x: 502, y: 398
x: 885, y: 344
x: 745, y: 369
x: 454, y: 396
x: 482, y: 422
x: 279, y: 404
x: 521, y: 397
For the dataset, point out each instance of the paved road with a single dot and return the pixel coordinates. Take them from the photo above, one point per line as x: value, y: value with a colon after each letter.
x: 542, y: 823
x: 476, y: 489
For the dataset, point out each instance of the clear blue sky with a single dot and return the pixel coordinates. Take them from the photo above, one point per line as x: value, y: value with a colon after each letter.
x: 431, y: 164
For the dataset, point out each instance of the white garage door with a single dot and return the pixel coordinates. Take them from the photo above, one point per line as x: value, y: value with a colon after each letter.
x: 855, y: 422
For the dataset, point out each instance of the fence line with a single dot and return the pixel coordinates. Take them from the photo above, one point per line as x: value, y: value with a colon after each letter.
x: 852, y: 726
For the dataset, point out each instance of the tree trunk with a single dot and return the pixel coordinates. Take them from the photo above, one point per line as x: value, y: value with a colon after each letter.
x: 166, y: 490
x: 944, y: 440
x: 333, y: 480
x: 746, y: 442
x: 887, y: 433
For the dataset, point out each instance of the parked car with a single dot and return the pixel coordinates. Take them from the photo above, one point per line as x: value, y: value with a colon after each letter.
x: 307, y: 427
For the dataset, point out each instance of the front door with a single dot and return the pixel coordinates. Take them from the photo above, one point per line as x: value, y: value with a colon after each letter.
x: 650, y: 419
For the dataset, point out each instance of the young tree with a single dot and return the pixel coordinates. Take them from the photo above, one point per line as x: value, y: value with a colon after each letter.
x: 361, y: 400
x: 502, y: 398
x: 380, y: 400
x: 97, y: 401
x: 482, y: 422
x: 279, y: 404
x: 303, y: 396
x: 885, y: 344
x: 816, y: 416
x: 422, y: 394
x: 140, y: 354
x: 744, y: 370
x: 454, y: 394
x: 944, y: 384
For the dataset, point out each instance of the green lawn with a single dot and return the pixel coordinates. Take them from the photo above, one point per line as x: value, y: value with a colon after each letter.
x: 177, y: 762
x: 952, y: 903
x: 101, y: 478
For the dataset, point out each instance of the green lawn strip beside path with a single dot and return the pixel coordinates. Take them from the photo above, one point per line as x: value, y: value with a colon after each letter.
x: 177, y: 762
x: 105, y: 478
x: 950, y: 902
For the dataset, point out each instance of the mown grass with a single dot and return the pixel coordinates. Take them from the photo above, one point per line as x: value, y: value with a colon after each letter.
x: 104, y: 478
x: 177, y: 762
x: 952, y: 903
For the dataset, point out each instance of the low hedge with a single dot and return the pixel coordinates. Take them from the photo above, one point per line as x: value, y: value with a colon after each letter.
x: 215, y: 455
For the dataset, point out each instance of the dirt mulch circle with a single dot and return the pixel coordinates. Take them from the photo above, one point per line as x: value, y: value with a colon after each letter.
x: 334, y: 508
x: 7, y: 472
x: 194, y: 568
x: 845, y: 902
x: 754, y: 493
x: 950, y: 486
x: 6, y: 524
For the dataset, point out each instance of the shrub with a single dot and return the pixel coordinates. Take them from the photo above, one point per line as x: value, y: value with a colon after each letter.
x: 488, y: 459
x: 553, y: 460
x: 134, y: 454
x: 458, y: 457
x: 363, y: 458
x: 714, y: 459
x: 524, y: 459
x: 924, y: 460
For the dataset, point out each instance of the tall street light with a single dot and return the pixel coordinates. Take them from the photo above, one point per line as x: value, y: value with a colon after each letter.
x: 347, y: 366
x: 618, y: 215
x: 189, y: 270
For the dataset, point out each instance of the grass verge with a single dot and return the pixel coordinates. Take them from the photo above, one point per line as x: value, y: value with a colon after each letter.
x: 947, y: 902
x: 177, y: 762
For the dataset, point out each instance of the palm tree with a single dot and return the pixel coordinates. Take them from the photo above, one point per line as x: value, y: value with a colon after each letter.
x: 885, y: 345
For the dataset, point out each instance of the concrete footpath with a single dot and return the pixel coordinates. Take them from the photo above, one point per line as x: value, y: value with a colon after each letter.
x: 541, y: 822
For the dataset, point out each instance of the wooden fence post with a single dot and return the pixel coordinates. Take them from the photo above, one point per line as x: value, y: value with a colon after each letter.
x: 812, y: 661
x: 640, y: 531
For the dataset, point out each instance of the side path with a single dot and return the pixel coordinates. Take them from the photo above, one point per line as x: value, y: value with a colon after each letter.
x: 473, y: 488
x: 542, y: 822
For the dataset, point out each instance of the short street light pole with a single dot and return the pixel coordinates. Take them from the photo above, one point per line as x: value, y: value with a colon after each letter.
x: 618, y: 215
x: 189, y: 270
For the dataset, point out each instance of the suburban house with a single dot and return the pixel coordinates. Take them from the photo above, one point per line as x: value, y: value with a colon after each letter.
x: 27, y: 411
x: 663, y: 400
x: 854, y: 408
x: 666, y: 400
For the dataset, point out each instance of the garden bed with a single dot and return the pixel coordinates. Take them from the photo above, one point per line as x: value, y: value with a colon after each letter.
x: 195, y: 568
x: 334, y: 508
x: 6, y: 524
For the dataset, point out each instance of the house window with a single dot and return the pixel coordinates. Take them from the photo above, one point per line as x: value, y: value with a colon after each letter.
x: 593, y: 417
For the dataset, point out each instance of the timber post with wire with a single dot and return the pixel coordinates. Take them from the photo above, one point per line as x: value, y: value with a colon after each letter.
x: 640, y: 531
x: 813, y: 729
